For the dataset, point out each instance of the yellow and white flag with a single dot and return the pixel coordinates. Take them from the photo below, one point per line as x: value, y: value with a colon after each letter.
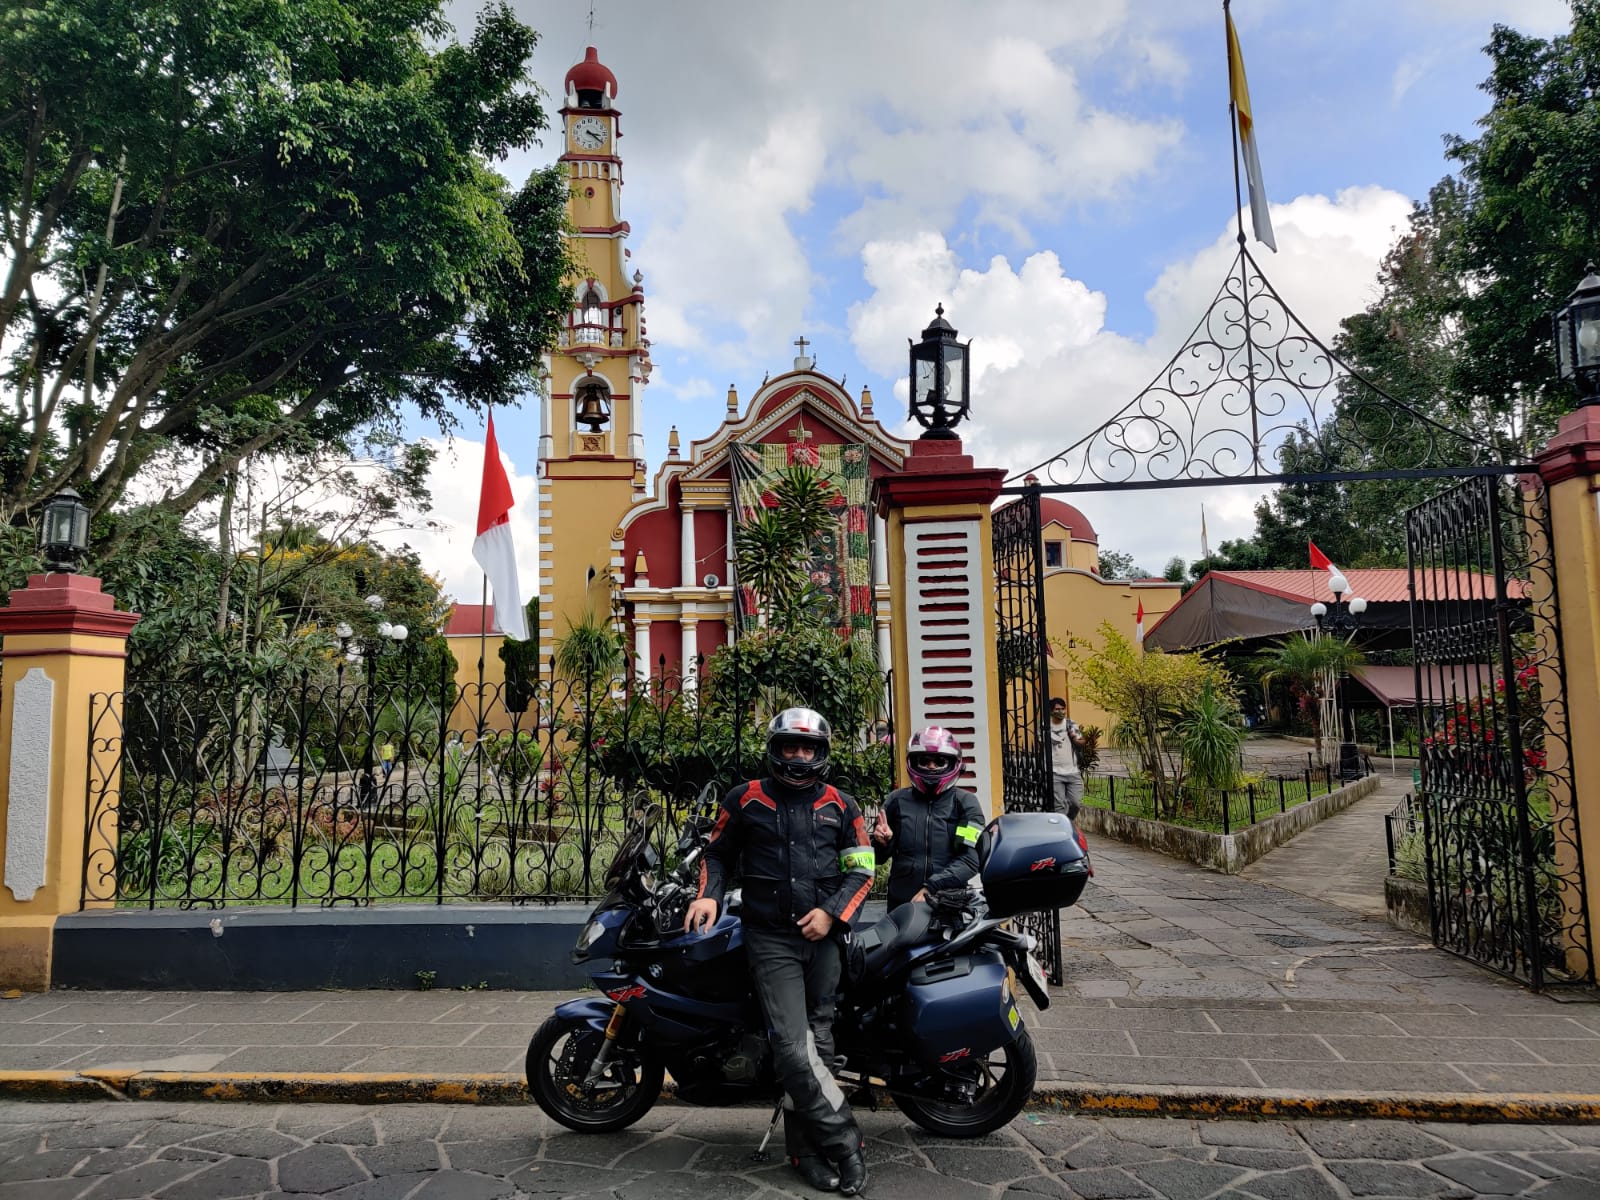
x: 1239, y: 92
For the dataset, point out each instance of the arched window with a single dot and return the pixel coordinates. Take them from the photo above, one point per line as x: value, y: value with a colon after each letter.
x: 591, y: 316
x: 591, y: 402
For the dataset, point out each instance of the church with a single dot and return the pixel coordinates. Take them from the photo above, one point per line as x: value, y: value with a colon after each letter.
x: 653, y: 552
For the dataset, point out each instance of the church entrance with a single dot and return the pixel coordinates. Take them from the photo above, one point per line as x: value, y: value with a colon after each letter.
x: 1254, y: 398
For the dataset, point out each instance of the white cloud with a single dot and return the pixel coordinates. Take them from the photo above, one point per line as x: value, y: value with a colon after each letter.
x: 1047, y: 371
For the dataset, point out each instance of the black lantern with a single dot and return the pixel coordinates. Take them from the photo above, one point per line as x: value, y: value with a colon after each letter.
x: 940, y: 380
x: 64, y: 531
x: 1577, y: 337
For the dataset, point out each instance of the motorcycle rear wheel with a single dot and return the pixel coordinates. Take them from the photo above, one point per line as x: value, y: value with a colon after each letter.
x: 997, y: 1102
x: 559, y: 1058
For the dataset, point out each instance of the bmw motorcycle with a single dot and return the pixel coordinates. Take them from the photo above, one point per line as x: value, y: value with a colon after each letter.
x: 928, y: 1013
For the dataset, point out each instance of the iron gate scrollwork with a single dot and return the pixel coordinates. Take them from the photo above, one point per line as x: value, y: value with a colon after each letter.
x: 1499, y: 818
x: 1023, y: 657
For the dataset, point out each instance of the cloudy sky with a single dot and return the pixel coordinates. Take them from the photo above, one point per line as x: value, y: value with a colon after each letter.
x: 1055, y: 172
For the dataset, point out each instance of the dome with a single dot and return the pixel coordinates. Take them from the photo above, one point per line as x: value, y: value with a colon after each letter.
x: 1051, y: 509
x: 592, y: 76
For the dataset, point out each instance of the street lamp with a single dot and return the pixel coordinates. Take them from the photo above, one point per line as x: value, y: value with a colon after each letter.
x: 1577, y: 338
x: 940, y: 379
x: 64, y: 531
x: 1342, y: 621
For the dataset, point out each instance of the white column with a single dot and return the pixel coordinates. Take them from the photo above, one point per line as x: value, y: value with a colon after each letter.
x: 688, y: 576
x: 880, y: 551
x: 689, y: 627
x: 641, y: 644
x: 885, y: 661
x: 727, y: 576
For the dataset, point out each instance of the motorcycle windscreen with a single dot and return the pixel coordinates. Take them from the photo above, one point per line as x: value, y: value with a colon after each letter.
x: 1031, y: 862
x: 960, y: 1008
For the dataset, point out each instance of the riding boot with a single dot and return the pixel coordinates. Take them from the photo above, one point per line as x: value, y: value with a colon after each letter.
x: 817, y: 1172
x: 852, y: 1173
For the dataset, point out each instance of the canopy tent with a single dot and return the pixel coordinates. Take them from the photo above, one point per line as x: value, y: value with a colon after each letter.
x: 1396, y: 687
x: 1252, y: 608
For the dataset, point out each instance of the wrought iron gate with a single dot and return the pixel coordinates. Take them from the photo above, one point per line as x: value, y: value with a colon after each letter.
x: 1499, y: 820
x: 1022, y: 654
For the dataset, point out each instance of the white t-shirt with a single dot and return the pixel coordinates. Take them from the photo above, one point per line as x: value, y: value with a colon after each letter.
x: 1062, y: 759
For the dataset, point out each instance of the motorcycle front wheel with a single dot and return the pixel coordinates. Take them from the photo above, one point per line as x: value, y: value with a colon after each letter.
x: 1003, y: 1082
x: 559, y: 1059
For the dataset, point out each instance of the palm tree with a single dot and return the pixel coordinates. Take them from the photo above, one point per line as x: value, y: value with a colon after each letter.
x: 1311, y: 665
x: 773, y: 550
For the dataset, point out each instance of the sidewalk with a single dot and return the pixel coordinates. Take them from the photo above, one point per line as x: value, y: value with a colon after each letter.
x: 1186, y: 991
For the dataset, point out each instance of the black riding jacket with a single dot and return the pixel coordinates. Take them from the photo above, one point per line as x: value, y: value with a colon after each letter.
x: 792, y: 851
x: 934, y: 841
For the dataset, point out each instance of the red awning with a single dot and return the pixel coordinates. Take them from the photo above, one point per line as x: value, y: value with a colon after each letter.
x: 1396, y: 687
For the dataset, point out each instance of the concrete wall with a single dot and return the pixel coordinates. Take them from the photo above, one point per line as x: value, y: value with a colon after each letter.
x: 1407, y: 902
x: 1228, y: 853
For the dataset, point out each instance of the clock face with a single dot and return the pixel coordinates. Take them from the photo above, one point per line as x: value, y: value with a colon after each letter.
x: 589, y: 133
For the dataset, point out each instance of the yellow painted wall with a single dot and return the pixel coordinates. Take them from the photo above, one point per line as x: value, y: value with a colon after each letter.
x: 1075, y: 604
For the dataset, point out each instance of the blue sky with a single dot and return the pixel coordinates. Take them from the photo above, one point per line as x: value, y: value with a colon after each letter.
x: 1056, y: 172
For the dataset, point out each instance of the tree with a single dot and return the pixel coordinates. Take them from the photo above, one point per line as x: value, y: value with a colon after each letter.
x: 773, y: 552
x: 1150, y: 696
x: 229, y: 227
x: 1173, y: 572
x: 1116, y: 564
x: 1310, y: 667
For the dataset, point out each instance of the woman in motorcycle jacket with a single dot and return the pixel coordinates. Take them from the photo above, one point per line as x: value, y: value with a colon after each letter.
x: 930, y: 829
x: 800, y: 849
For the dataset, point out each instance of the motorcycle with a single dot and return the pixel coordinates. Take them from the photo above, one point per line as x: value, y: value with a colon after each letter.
x: 928, y: 1013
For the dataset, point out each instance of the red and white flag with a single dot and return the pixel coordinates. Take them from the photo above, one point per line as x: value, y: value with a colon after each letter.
x: 494, y: 550
x: 1138, y: 623
x: 1321, y: 562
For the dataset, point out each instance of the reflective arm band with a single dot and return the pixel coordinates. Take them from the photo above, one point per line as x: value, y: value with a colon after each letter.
x: 858, y: 858
x: 968, y: 834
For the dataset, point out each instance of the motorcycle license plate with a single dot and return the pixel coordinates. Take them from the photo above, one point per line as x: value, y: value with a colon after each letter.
x: 1038, y: 985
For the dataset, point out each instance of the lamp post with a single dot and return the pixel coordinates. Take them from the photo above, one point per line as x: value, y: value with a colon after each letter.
x: 1341, y: 621
x: 940, y: 379
x: 1577, y: 338
x: 353, y: 650
x: 64, y: 531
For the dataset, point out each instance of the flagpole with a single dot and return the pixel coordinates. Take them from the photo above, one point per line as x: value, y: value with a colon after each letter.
x: 1233, y: 126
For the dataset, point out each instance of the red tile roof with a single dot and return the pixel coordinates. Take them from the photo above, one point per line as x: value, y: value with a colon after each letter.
x: 467, y: 620
x: 1377, y: 585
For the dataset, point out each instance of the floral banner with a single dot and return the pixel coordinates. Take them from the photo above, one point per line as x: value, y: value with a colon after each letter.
x: 841, y: 561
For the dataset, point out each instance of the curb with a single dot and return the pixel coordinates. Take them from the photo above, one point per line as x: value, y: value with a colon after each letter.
x: 1148, y: 1101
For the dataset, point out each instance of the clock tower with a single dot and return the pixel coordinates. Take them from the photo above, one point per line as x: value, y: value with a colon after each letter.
x: 591, y: 450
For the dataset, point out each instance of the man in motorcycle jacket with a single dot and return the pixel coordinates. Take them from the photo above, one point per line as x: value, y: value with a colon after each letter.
x: 805, y: 863
x: 930, y: 829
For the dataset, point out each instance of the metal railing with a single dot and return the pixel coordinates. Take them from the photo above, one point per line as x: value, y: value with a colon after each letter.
x: 1400, y: 829
x: 1224, y: 810
x: 359, y: 787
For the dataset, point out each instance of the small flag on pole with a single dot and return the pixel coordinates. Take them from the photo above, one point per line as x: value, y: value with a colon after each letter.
x: 1321, y: 562
x: 1138, y: 623
x: 1239, y: 93
x: 494, y: 550
x: 1205, y: 544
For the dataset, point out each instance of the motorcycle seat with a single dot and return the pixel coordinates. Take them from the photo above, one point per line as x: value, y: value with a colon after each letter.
x: 874, y: 948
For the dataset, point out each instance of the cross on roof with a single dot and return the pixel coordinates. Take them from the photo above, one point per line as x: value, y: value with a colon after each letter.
x: 800, y: 433
x: 802, y: 343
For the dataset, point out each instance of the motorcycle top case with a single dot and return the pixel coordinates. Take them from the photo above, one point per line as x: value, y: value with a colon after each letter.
x: 1033, y: 863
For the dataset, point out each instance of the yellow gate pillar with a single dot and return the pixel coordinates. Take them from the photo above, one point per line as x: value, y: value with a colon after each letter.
x: 941, y: 577
x: 64, y: 643
x: 1570, y: 468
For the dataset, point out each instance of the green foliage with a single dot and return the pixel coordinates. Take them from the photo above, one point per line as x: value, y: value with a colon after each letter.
x: 773, y: 550
x: 259, y: 227
x: 1309, y: 667
x: 1089, y: 750
x: 521, y: 660
x: 1209, y: 735
x: 1151, y: 696
x: 592, y: 653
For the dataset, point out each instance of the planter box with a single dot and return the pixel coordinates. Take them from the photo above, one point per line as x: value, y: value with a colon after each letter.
x: 1229, y: 853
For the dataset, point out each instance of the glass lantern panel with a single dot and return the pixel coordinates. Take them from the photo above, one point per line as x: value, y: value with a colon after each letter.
x: 58, y: 522
x: 924, y: 382
x: 1587, y: 319
x: 1563, y: 332
x: 954, y: 363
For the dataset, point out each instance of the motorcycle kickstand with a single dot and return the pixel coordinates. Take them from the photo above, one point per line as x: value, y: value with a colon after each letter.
x: 761, y: 1154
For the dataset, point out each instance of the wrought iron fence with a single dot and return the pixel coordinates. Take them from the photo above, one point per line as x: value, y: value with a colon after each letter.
x: 1223, y: 811
x: 356, y: 787
x: 1401, y: 830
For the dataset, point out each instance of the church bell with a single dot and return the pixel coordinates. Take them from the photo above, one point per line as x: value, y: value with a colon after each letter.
x: 592, y: 410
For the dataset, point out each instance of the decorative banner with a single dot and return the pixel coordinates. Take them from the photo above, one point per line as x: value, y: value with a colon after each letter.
x: 841, y: 560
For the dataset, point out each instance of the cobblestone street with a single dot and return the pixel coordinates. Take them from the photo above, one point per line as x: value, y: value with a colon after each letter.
x: 101, y: 1151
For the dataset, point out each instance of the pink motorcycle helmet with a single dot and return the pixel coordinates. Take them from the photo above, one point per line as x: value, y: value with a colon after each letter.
x: 933, y: 759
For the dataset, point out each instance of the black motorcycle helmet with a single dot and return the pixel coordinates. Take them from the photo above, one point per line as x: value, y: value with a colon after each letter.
x: 798, y: 726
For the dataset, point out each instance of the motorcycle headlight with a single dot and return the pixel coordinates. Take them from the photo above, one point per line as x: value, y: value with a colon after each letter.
x: 592, y: 932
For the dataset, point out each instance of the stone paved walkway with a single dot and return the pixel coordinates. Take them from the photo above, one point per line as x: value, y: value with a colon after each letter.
x: 1345, y: 859
x: 1176, y: 977
x: 206, y: 1152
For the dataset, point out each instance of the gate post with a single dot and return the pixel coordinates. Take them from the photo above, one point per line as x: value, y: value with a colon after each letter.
x: 941, y: 577
x: 1570, y: 468
x: 64, y: 643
